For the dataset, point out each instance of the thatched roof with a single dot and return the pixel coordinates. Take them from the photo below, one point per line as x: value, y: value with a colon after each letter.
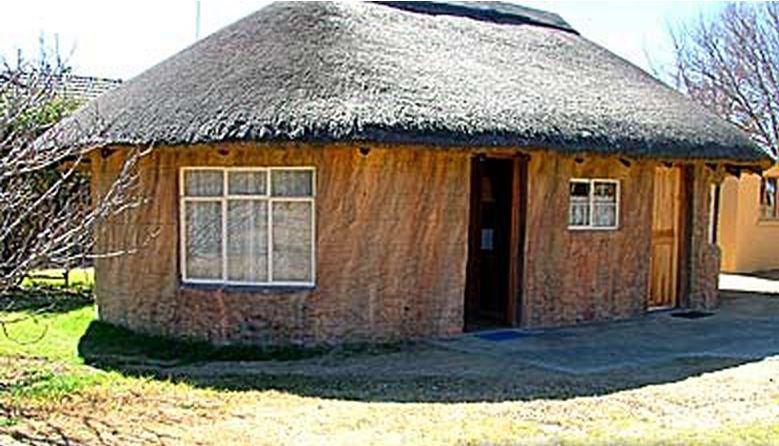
x: 446, y: 74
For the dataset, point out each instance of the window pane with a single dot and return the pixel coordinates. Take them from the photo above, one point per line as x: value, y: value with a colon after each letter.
x: 765, y: 208
x: 768, y: 195
x: 292, y: 239
x: 292, y: 183
x: 247, y: 240
x: 773, y: 189
x: 203, y: 239
x: 247, y: 182
x: 203, y: 183
x: 579, y: 213
x: 604, y: 215
x: 605, y: 192
x: 579, y: 189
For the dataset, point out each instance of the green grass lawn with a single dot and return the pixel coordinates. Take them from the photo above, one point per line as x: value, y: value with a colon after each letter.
x: 64, y: 375
x: 45, y: 319
x: 78, y: 277
x: 41, y: 336
x: 50, y: 336
x: 55, y: 323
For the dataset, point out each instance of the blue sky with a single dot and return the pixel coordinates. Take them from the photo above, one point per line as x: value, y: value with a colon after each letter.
x: 120, y: 39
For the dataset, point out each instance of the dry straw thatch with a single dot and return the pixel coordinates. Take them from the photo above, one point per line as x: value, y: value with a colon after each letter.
x: 453, y: 74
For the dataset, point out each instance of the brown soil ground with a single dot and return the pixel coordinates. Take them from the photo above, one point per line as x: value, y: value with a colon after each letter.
x: 704, y: 401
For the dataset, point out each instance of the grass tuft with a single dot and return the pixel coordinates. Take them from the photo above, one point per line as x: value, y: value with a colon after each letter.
x: 54, y: 387
x: 8, y: 421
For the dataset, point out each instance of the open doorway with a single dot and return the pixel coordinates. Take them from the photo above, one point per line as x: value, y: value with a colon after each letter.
x: 494, y: 252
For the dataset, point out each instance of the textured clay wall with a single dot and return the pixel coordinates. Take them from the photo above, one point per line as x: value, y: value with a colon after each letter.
x: 589, y: 275
x: 586, y: 275
x: 391, y: 241
x: 748, y: 242
x: 704, y: 256
x: 728, y: 222
x: 391, y: 248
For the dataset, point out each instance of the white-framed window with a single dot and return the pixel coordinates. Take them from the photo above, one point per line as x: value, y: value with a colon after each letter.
x: 769, y: 195
x: 594, y: 203
x: 248, y: 225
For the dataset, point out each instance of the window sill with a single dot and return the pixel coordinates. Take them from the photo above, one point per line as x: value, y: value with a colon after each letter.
x: 591, y: 228
x: 242, y: 289
x: 768, y: 221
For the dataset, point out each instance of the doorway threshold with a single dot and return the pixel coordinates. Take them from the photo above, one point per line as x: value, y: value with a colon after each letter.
x: 502, y: 335
x: 661, y: 308
x: 483, y: 325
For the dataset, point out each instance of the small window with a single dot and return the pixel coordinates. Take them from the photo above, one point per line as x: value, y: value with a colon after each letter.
x: 594, y: 204
x: 768, y: 199
x: 247, y: 226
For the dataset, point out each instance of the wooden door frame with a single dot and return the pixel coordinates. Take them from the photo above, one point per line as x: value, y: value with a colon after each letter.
x: 472, y: 272
x: 518, y: 219
x: 517, y: 239
x: 687, y: 180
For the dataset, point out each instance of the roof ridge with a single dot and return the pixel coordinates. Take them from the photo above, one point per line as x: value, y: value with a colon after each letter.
x: 492, y: 11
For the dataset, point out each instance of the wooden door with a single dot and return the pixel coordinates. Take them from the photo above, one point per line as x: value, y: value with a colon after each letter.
x: 666, y: 237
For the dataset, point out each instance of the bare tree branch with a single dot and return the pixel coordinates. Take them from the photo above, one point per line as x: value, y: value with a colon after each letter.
x: 48, y: 219
x: 730, y: 64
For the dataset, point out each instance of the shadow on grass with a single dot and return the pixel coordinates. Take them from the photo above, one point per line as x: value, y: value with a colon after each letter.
x: 108, y: 345
x: 45, y: 298
x: 527, y: 385
x: 395, y: 373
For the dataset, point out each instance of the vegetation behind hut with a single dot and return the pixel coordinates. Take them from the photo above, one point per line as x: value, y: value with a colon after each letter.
x: 46, y: 217
x: 730, y: 64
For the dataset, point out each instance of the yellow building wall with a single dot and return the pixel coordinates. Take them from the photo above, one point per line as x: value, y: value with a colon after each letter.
x: 748, y: 243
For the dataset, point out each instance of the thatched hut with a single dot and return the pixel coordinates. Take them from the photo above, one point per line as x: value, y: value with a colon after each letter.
x: 329, y: 172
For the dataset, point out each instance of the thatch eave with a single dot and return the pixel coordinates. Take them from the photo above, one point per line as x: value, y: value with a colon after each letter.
x: 330, y: 72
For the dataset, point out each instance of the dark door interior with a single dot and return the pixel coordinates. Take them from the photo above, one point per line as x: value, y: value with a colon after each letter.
x: 487, y: 298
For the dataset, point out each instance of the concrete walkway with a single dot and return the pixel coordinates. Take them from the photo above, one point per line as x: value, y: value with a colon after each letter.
x: 763, y: 283
x: 746, y: 326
